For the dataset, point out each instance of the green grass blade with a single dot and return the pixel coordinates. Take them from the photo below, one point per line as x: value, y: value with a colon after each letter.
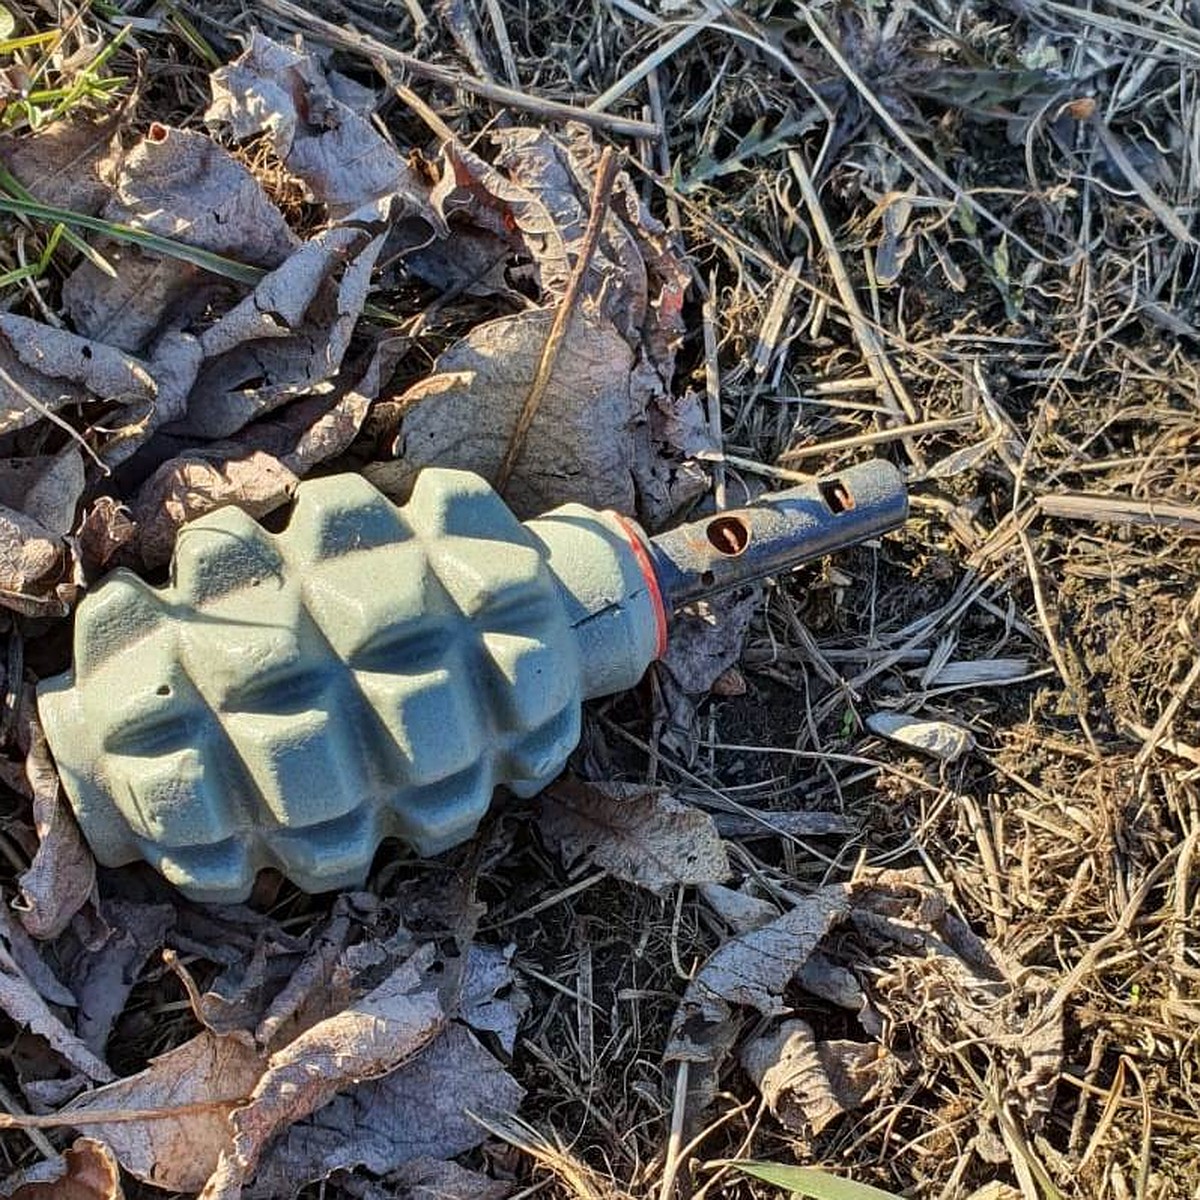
x: 216, y: 263
x: 808, y: 1181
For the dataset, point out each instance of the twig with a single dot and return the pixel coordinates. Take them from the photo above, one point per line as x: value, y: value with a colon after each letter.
x: 875, y: 436
x: 35, y: 1135
x: 675, y: 1137
x: 712, y: 387
x: 891, y: 389
x: 606, y: 174
x: 371, y: 48
x: 1117, y: 510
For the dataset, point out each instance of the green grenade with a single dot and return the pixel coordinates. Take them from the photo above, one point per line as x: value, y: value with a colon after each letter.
x: 290, y: 700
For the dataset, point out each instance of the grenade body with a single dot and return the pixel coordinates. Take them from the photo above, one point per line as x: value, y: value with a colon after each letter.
x: 292, y: 699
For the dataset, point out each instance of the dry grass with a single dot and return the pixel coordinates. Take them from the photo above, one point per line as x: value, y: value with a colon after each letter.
x: 960, y: 236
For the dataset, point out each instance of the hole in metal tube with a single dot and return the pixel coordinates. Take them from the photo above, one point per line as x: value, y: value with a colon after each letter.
x: 728, y: 535
x: 707, y: 578
x: 836, y: 495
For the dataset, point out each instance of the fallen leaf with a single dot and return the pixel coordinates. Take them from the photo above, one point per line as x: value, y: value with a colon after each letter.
x: 193, y: 484
x: 86, y: 1171
x: 44, y: 369
x: 29, y: 961
x: 492, y: 1000
x: 62, y: 877
x: 209, y: 1075
x: 707, y: 639
x: 369, y: 1038
x: 580, y: 447
x: 639, y: 834
x: 433, y: 1179
x: 66, y: 162
x: 26, y: 1007
x: 45, y: 487
x: 940, y: 739
x: 288, y: 337
x: 181, y: 184
x: 806, y: 1083
x: 106, y: 527
x: 35, y: 572
x: 103, y: 977
x: 741, y: 912
x: 417, y: 1113
x: 330, y: 145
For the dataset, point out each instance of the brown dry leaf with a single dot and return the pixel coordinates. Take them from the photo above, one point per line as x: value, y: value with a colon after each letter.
x: 177, y: 1153
x: 62, y: 877
x: 195, y: 483
x: 581, y: 446
x: 806, y: 1083
x: 106, y: 527
x: 24, y: 1004
x: 707, y: 639
x: 36, y: 578
x: 65, y: 163
x: 288, y: 337
x: 639, y: 834
x: 369, y: 1038
x: 46, y: 487
x: 940, y: 739
x: 327, y: 142
x: 178, y: 183
x: 44, y: 369
x: 87, y: 1171
x: 418, y: 1113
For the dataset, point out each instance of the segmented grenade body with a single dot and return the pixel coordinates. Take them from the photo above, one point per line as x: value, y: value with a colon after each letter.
x: 290, y: 700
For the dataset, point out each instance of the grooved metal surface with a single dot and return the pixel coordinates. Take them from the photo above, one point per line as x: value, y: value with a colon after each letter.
x: 290, y: 700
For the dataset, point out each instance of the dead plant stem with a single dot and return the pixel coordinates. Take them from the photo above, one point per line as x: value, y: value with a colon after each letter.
x: 606, y: 174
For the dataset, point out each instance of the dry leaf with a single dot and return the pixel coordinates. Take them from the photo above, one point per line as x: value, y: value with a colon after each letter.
x: 492, y: 1000
x: 35, y: 571
x: 580, y: 447
x: 434, y: 1179
x: 639, y: 834
x: 193, y: 484
x: 707, y: 638
x: 369, y: 1038
x: 288, y: 337
x: 177, y: 1153
x: 27, y: 956
x: 87, y: 1171
x: 102, y: 978
x: 45, y: 487
x: 806, y: 1083
x: 419, y: 1112
x: 106, y: 527
x: 44, y: 369
x: 329, y: 144
x: 62, y: 876
x: 64, y: 163
x: 178, y: 183
x: 25, y: 1006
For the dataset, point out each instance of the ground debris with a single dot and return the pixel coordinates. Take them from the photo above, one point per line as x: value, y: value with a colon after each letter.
x: 643, y: 835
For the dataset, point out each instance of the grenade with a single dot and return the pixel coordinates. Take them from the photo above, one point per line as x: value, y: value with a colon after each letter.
x: 290, y: 700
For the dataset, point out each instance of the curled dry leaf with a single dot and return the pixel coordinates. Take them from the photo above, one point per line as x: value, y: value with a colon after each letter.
x: 369, y: 1038
x: 193, y: 484
x: 87, y: 1171
x: 418, y: 1113
x: 103, y: 977
x: 806, y: 1083
x: 639, y: 834
x: 327, y: 142
x: 36, y: 577
x: 204, y: 1078
x: 434, y: 1179
x: 707, y: 639
x: 44, y: 369
x: 62, y: 876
